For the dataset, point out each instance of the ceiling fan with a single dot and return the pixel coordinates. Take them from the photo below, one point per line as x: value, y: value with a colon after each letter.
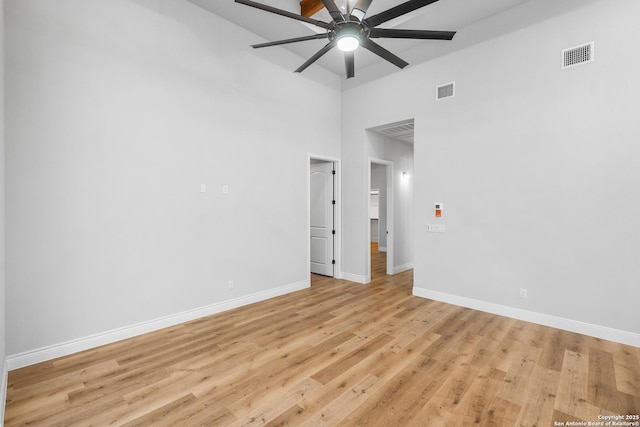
x: 351, y: 30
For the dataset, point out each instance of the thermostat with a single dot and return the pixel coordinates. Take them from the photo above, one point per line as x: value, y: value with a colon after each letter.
x: 437, y: 207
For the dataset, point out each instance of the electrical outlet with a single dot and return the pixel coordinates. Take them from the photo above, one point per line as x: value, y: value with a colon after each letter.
x: 230, y: 284
x: 523, y: 293
x: 225, y: 189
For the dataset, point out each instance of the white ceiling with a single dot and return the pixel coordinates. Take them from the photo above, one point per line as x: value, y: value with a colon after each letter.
x: 463, y: 16
x: 400, y: 131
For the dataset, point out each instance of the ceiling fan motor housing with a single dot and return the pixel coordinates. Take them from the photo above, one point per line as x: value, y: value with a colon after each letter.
x: 348, y: 28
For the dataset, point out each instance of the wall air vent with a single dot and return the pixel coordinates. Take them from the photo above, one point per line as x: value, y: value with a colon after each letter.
x: 446, y: 91
x: 577, y: 55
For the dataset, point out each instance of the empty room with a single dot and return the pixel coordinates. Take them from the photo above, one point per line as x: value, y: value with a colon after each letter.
x: 320, y: 212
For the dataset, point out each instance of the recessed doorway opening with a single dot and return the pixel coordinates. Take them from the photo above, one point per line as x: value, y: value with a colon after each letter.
x: 390, y: 196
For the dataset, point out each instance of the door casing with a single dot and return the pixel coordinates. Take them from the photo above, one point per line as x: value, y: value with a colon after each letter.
x: 322, y: 214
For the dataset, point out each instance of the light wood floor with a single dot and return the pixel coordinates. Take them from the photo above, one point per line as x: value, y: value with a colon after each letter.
x: 338, y: 353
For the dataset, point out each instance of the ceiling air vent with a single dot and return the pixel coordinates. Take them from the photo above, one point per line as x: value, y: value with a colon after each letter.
x: 577, y: 55
x: 446, y: 91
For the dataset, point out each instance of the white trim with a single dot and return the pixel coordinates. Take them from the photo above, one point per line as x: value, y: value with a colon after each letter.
x: 355, y: 278
x: 3, y: 390
x: 382, y: 249
x: 597, y: 331
x: 73, y: 346
x: 401, y: 268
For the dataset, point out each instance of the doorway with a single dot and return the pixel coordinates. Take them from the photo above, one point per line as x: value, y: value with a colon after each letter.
x: 380, y: 214
x: 391, y: 147
x: 323, y: 217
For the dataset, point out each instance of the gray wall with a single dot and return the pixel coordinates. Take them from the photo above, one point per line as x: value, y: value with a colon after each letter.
x: 3, y: 353
x: 117, y: 111
x: 537, y: 167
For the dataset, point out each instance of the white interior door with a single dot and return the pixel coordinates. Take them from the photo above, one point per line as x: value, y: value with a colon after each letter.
x: 322, y: 218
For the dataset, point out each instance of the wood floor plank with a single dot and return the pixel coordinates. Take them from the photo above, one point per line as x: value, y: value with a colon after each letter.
x: 515, y: 386
x: 627, y: 370
x: 343, y: 404
x: 325, y: 375
x: 408, y: 390
x: 503, y: 413
x: 602, y: 381
x: 539, y: 401
x: 573, y: 383
x: 384, y: 365
x: 263, y: 411
x: 161, y: 414
x: 474, y: 404
x: 338, y: 353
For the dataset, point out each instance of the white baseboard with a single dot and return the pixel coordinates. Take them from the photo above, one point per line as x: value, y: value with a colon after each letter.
x: 382, y: 249
x: 63, y: 349
x: 354, y: 278
x: 583, y: 328
x: 401, y: 268
x: 3, y: 390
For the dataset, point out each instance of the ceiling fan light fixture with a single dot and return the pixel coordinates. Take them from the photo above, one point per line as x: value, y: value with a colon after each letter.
x: 347, y: 36
x: 348, y: 43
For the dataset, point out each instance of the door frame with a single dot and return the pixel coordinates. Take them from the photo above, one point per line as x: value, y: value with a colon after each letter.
x: 337, y: 242
x: 390, y: 216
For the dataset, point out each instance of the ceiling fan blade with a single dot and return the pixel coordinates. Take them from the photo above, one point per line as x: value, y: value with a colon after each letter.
x: 315, y: 57
x: 297, y: 39
x: 285, y: 13
x: 360, y: 9
x: 392, y: 33
x: 349, y: 62
x: 333, y: 10
x: 396, y: 11
x: 384, y: 53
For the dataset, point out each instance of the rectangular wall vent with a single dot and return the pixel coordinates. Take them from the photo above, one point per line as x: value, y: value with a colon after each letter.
x: 577, y: 55
x: 446, y: 91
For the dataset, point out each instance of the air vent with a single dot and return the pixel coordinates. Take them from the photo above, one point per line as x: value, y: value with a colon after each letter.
x: 577, y: 55
x: 446, y: 91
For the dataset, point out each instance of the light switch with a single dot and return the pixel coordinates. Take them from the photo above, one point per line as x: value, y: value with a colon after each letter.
x: 203, y: 188
x: 436, y: 228
x: 225, y: 189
